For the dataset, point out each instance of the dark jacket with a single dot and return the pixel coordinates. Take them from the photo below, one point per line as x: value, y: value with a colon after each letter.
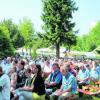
x: 39, y: 86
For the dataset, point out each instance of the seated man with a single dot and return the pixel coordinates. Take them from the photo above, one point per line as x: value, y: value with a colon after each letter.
x: 68, y: 87
x: 4, y: 86
x: 54, y: 80
x: 94, y: 75
x: 83, y: 77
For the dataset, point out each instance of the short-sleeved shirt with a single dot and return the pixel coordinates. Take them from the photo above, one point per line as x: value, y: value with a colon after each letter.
x: 55, y: 76
x: 47, y: 69
x: 6, y: 67
x: 5, y: 84
x: 83, y: 74
x: 69, y: 81
x: 94, y: 74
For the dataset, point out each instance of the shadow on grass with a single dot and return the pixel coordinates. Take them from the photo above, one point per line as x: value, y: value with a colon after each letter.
x: 86, y: 97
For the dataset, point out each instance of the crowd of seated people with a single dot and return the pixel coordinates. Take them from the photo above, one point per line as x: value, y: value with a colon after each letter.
x: 50, y: 79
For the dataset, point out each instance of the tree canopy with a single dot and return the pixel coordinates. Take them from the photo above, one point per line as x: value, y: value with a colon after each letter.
x: 6, y: 47
x: 57, y: 15
x: 89, y: 41
x: 27, y: 31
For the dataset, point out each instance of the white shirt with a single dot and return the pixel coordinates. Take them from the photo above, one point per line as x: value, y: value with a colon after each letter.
x: 5, y: 84
x: 7, y: 67
x: 47, y: 69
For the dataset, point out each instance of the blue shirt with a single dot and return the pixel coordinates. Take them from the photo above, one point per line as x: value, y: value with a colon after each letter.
x: 55, y: 76
x: 83, y: 74
x: 69, y: 81
x: 5, y: 83
x: 98, y: 71
x: 94, y: 74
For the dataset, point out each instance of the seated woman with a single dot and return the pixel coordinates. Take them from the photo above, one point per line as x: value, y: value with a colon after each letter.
x: 35, y: 90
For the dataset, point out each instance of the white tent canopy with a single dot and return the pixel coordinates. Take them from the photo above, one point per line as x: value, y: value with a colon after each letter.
x: 48, y: 51
x: 44, y: 51
x: 90, y: 55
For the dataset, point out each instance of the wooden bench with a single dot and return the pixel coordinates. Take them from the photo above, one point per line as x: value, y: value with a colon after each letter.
x: 97, y: 82
x: 86, y: 92
x: 92, y: 87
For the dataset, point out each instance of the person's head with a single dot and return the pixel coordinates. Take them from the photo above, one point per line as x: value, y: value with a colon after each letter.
x: 88, y: 66
x: 76, y: 68
x: 39, y: 70
x: 47, y: 63
x: 55, y: 66
x: 65, y: 69
x: 15, y: 63
x: 12, y: 70
x: 81, y: 66
x: 36, y: 69
x: 9, y: 60
x: 28, y: 72
x: 42, y: 60
x: 32, y: 65
x: 21, y: 64
x: 56, y: 60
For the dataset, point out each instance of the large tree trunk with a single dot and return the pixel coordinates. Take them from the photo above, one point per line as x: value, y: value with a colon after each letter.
x: 30, y: 51
x: 26, y: 50
x: 57, y: 50
x: 69, y: 47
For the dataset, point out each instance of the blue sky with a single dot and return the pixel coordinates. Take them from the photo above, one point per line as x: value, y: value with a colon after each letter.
x: 86, y: 16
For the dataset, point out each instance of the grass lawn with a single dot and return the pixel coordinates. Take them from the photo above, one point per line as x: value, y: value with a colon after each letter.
x: 85, y: 97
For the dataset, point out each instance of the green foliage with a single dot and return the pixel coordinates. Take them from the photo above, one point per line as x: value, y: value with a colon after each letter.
x: 38, y: 42
x: 15, y: 35
x: 6, y: 47
x: 18, y: 40
x: 57, y: 15
x: 90, y: 41
x: 27, y: 31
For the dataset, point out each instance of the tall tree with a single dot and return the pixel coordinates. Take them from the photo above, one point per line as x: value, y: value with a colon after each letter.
x: 57, y: 15
x: 15, y: 35
x: 27, y: 31
x: 6, y: 47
